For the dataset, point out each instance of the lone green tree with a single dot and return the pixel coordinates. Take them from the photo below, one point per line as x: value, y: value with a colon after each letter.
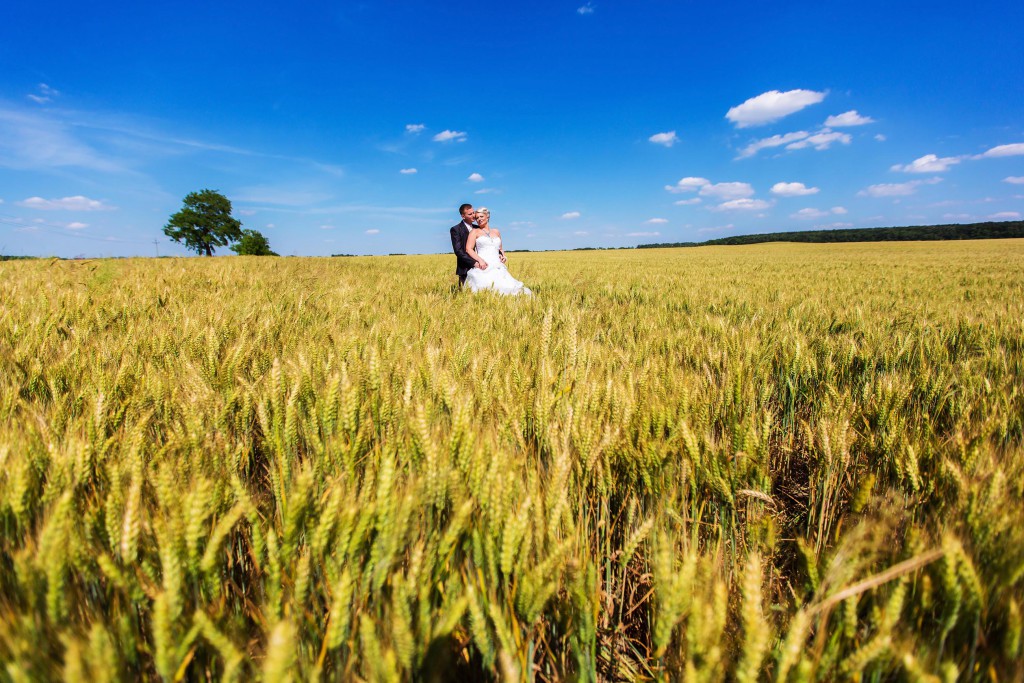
x: 204, y: 222
x: 253, y: 243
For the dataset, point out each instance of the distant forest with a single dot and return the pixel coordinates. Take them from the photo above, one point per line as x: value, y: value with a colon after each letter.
x: 967, y: 231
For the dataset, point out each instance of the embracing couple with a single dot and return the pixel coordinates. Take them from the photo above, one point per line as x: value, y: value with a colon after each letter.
x: 480, y: 260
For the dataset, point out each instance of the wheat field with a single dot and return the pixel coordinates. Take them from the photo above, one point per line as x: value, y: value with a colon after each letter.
x: 775, y: 462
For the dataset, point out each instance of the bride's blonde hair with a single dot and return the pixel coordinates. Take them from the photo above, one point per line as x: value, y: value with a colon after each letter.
x: 484, y: 209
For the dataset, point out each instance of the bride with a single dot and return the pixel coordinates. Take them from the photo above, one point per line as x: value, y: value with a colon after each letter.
x: 484, y: 245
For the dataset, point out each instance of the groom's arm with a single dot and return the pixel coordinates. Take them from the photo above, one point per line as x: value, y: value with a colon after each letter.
x: 459, y: 248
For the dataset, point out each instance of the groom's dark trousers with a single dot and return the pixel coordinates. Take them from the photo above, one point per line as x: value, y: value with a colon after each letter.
x: 463, y: 261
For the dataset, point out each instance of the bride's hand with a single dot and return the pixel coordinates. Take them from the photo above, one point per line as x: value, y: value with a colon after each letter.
x: 482, y: 265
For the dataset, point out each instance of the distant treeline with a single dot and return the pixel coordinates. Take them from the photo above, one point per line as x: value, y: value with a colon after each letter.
x: 967, y: 231
x: 15, y: 258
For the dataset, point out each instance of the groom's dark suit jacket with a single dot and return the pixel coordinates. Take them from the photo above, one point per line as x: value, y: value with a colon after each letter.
x: 464, y: 262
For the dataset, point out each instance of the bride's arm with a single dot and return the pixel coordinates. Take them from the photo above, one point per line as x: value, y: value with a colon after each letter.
x: 471, y: 250
x: 501, y: 246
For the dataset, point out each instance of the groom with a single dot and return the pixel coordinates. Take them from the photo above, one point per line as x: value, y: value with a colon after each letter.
x: 463, y: 261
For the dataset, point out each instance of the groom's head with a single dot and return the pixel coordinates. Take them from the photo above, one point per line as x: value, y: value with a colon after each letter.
x: 467, y: 213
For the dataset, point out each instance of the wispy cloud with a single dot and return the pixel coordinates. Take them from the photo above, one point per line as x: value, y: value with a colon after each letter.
x: 415, y: 128
x: 76, y: 203
x: 688, y: 184
x: 687, y: 202
x: 475, y: 178
x: 1015, y: 149
x: 76, y: 225
x: 486, y: 190
x: 773, y: 141
x: 656, y: 221
x: 570, y: 215
x: 771, y: 106
x: 880, y: 137
x: 929, y: 163
x: 373, y: 231
x: 450, y: 136
x: 666, y: 139
x: 1014, y: 179
x: 42, y: 141
x: 43, y: 94
x: 744, y: 205
x: 581, y: 232
x: 1006, y: 216
x: 727, y: 190
x: 896, y: 189
x: 408, y: 171
x: 804, y: 214
x: 585, y: 9
x: 643, y: 234
x: 793, y: 190
x: 847, y: 119
x: 821, y: 140
x: 715, y: 191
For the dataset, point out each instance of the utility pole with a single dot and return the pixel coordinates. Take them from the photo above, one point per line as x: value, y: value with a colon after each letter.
x: 156, y: 243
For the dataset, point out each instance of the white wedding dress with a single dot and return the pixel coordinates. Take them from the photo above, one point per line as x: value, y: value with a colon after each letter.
x: 496, y: 277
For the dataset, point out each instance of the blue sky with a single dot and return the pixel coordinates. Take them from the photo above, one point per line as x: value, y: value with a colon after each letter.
x: 359, y: 127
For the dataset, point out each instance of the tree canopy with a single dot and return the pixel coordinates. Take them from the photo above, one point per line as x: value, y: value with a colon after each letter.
x: 252, y: 243
x: 204, y: 222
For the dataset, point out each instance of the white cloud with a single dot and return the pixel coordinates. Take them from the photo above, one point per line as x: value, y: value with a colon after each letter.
x: 772, y: 106
x: 585, y: 9
x: 895, y: 189
x: 486, y: 190
x: 715, y: 228
x: 880, y: 137
x: 475, y: 178
x: 774, y: 141
x: 687, y: 202
x: 833, y: 226
x: 667, y: 139
x: 246, y: 212
x: 847, y: 119
x: 327, y: 227
x: 839, y: 210
x: 271, y: 225
x: 414, y: 128
x: 1006, y: 216
x: 450, y: 136
x: 656, y: 221
x: 688, y: 184
x: 75, y: 225
x: 569, y: 215
x: 76, y: 203
x: 1016, y: 149
x: 793, y: 189
x: 821, y: 140
x: 408, y: 171
x: 727, y: 190
x: 929, y: 163
x: 744, y: 205
x: 1013, y: 180
x: 804, y: 214
x: 581, y: 232
x: 44, y: 94
x: 373, y: 231
x: 643, y: 234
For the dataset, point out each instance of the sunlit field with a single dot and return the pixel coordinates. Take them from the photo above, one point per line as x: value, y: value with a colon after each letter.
x: 770, y: 462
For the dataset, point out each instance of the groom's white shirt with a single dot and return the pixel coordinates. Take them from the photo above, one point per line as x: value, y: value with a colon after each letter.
x: 469, y: 228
